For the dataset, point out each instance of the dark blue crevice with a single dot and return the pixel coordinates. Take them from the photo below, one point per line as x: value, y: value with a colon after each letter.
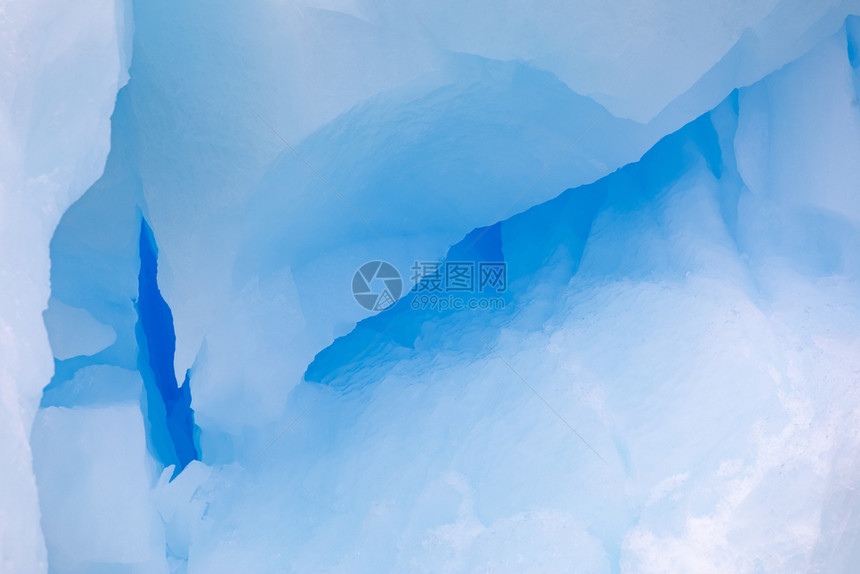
x: 171, y: 432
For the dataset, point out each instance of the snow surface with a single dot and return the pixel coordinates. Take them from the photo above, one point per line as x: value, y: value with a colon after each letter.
x: 670, y: 387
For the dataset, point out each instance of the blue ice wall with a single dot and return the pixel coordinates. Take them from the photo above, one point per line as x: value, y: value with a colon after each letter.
x: 550, y: 236
x: 400, y: 325
x: 167, y: 406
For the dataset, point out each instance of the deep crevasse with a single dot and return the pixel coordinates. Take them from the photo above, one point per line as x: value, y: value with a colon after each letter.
x: 166, y: 403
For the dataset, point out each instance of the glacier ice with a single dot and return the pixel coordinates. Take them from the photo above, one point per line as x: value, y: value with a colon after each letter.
x: 671, y: 385
x: 94, y: 489
x: 74, y: 331
x: 61, y: 65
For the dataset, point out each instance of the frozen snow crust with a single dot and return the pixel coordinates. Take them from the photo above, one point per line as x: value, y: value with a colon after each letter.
x: 671, y: 385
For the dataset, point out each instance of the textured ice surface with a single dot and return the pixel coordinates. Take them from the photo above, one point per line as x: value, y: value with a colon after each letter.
x: 74, y: 331
x: 60, y: 67
x: 699, y: 333
x: 692, y: 315
x: 711, y: 364
x: 94, y: 490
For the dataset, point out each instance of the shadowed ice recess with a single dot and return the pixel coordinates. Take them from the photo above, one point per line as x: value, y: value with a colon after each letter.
x: 169, y: 418
x: 671, y: 385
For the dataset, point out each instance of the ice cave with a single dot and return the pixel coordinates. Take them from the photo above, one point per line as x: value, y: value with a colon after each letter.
x: 376, y: 286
